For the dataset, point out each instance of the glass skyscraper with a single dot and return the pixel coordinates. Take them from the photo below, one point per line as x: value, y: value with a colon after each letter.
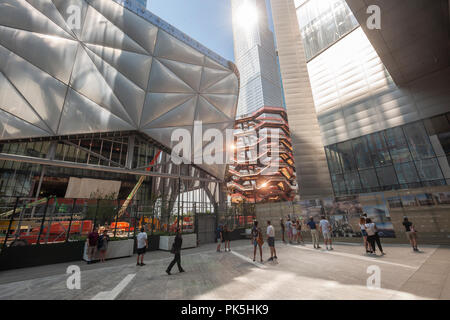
x: 255, y: 57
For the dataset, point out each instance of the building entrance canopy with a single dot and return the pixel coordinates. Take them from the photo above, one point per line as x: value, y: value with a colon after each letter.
x: 90, y: 66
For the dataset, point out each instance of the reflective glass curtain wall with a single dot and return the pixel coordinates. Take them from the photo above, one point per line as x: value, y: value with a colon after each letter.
x: 322, y: 23
x: 409, y: 156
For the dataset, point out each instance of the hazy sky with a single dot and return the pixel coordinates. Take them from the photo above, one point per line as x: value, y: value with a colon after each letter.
x: 207, y: 21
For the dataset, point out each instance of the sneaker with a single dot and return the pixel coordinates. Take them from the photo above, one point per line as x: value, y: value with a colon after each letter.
x: 168, y: 272
x: 276, y: 258
x: 182, y: 270
x: 142, y: 264
x: 319, y: 247
x: 383, y: 254
x: 270, y: 259
x: 331, y: 248
x: 138, y: 264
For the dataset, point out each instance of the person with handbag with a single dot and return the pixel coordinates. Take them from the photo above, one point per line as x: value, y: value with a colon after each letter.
x: 410, y: 233
x: 372, y: 236
x: 176, y: 250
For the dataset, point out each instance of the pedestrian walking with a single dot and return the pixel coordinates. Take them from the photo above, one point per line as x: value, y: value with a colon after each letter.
x: 176, y: 250
x: 271, y: 241
x: 142, y: 245
x: 372, y: 236
x: 411, y: 233
x: 219, y: 236
x: 314, y: 233
x: 362, y: 226
x: 325, y: 228
x: 92, y: 241
x: 257, y: 240
x: 102, y: 245
x: 282, y: 229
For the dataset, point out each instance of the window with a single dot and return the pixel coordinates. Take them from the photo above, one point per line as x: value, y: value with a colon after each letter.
x: 429, y: 170
x: 378, y: 149
x: 386, y: 176
x: 352, y: 181
x: 369, y: 179
x: 362, y: 154
x: 418, y: 141
x: 346, y: 155
x: 322, y: 23
x: 333, y: 160
x: 398, y: 146
x: 406, y: 173
x: 338, y: 183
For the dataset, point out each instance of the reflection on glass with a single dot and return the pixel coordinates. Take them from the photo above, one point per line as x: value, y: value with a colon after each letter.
x: 346, y: 153
x: 406, y: 173
x: 323, y: 22
x: 429, y: 170
x: 378, y: 149
x: 386, y: 176
x: 398, y: 145
x: 418, y: 141
x: 362, y: 153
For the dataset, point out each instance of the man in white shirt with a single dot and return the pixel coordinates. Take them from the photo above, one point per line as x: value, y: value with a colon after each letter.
x: 142, y: 244
x: 325, y: 228
x: 271, y: 241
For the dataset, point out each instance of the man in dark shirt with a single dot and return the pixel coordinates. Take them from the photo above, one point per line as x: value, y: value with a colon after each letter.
x: 92, y: 241
x: 176, y: 249
x: 314, y: 233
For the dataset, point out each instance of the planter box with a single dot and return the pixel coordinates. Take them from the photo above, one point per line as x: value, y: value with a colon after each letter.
x: 116, y: 249
x: 189, y: 241
x: 39, y: 255
x: 153, y: 243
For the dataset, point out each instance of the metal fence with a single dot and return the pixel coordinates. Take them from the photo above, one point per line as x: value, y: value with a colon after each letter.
x: 31, y: 221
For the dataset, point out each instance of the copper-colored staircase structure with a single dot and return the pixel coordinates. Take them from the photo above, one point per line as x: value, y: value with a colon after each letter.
x: 249, y: 178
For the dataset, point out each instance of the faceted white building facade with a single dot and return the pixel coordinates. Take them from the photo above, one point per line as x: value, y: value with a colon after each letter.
x: 89, y: 66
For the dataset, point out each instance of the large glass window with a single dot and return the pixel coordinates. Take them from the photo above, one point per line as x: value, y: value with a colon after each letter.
x: 352, y: 182
x: 362, y: 153
x: 333, y: 160
x: 397, y: 144
x: 369, y: 180
x: 346, y: 155
x: 323, y: 22
x: 406, y: 173
x: 338, y: 183
x: 378, y: 149
x: 387, y: 177
x: 418, y: 141
x: 429, y: 170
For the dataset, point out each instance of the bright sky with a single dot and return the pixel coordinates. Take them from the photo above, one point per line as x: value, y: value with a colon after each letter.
x: 207, y: 21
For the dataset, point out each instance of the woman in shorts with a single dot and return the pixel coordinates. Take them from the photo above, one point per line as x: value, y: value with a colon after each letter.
x: 362, y: 226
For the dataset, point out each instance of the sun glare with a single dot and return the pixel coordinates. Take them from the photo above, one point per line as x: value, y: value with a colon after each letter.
x: 247, y: 15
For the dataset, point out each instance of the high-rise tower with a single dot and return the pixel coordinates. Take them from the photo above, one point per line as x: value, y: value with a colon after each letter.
x: 255, y: 57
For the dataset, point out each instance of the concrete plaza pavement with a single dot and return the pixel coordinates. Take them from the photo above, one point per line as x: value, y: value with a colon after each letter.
x: 301, y: 273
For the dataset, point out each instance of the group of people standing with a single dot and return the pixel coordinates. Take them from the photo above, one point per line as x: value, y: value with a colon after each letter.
x: 294, y: 230
x: 258, y: 241
x: 370, y: 235
x: 97, y: 243
x: 223, y: 235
